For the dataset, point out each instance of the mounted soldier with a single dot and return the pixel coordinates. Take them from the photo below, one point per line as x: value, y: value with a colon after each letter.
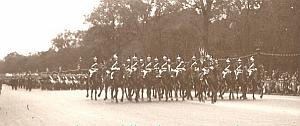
x: 179, y: 69
x: 148, y: 76
x: 252, y: 75
x: 164, y: 73
x: 141, y: 80
x: 210, y: 81
x: 93, y: 78
x: 191, y: 76
x: 240, y: 79
x: 135, y: 74
x: 228, y: 76
x: 156, y: 79
x: 116, y: 78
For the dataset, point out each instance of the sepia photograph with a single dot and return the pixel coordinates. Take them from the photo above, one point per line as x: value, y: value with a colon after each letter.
x: 149, y: 63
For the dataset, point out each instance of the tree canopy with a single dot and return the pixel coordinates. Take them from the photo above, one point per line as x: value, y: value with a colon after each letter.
x: 170, y: 27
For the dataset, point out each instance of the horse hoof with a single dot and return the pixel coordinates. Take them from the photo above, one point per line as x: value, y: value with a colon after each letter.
x: 105, y: 99
x: 261, y: 97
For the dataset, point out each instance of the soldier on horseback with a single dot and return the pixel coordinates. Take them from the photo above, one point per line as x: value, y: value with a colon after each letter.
x: 141, y: 80
x: 253, y: 76
x: 93, y: 74
x: 115, y: 77
x: 228, y: 75
x: 239, y: 78
x: 178, y: 77
x: 210, y: 77
x: 165, y: 76
x: 193, y: 69
x: 148, y: 76
x: 135, y: 74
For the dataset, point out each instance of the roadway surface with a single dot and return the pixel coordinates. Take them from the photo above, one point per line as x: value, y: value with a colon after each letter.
x: 72, y: 108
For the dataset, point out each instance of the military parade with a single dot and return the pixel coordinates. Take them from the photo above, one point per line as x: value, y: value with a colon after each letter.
x: 164, y: 79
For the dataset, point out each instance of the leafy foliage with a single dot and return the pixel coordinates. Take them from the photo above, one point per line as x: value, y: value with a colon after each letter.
x: 171, y: 27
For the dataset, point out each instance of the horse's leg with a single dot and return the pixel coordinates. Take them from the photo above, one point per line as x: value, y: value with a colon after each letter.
x: 154, y: 88
x: 190, y: 91
x: 116, y: 94
x: 148, y: 90
x: 95, y: 93
x: 137, y: 92
x: 232, y: 89
x: 87, y: 89
x: 237, y: 89
x: 141, y: 83
x: 261, y: 90
x: 176, y: 91
x: 106, y: 88
x: 123, y: 90
x: 253, y: 91
x: 112, y: 88
x: 159, y: 92
x: 91, y: 93
x: 254, y: 87
x: 100, y: 90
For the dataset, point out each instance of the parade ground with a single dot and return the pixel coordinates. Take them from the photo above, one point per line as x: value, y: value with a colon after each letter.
x: 72, y: 108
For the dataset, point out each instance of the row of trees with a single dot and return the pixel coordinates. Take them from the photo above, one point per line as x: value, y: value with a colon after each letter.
x: 171, y: 27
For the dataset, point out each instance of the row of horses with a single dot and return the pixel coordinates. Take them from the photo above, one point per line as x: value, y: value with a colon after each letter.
x: 139, y: 84
x: 49, y: 82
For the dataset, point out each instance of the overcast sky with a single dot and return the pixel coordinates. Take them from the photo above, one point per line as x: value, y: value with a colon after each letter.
x: 27, y: 26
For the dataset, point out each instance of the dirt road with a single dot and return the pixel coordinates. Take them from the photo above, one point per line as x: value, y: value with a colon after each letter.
x: 71, y: 108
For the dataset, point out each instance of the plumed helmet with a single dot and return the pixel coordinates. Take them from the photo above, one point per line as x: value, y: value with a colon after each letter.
x: 227, y: 60
x: 149, y: 57
x: 165, y: 57
x: 178, y: 57
x: 193, y: 57
x: 239, y: 60
x: 95, y: 59
x: 251, y: 58
x: 115, y: 56
x: 134, y: 58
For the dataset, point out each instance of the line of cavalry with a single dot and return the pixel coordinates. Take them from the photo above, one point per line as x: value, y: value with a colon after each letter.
x: 153, y: 79
x: 164, y: 79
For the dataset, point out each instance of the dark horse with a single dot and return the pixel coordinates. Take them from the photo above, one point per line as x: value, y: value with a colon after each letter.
x: 256, y: 81
x: 116, y: 78
x: 200, y: 86
x: 165, y: 82
x: 93, y: 83
x: 212, y: 81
